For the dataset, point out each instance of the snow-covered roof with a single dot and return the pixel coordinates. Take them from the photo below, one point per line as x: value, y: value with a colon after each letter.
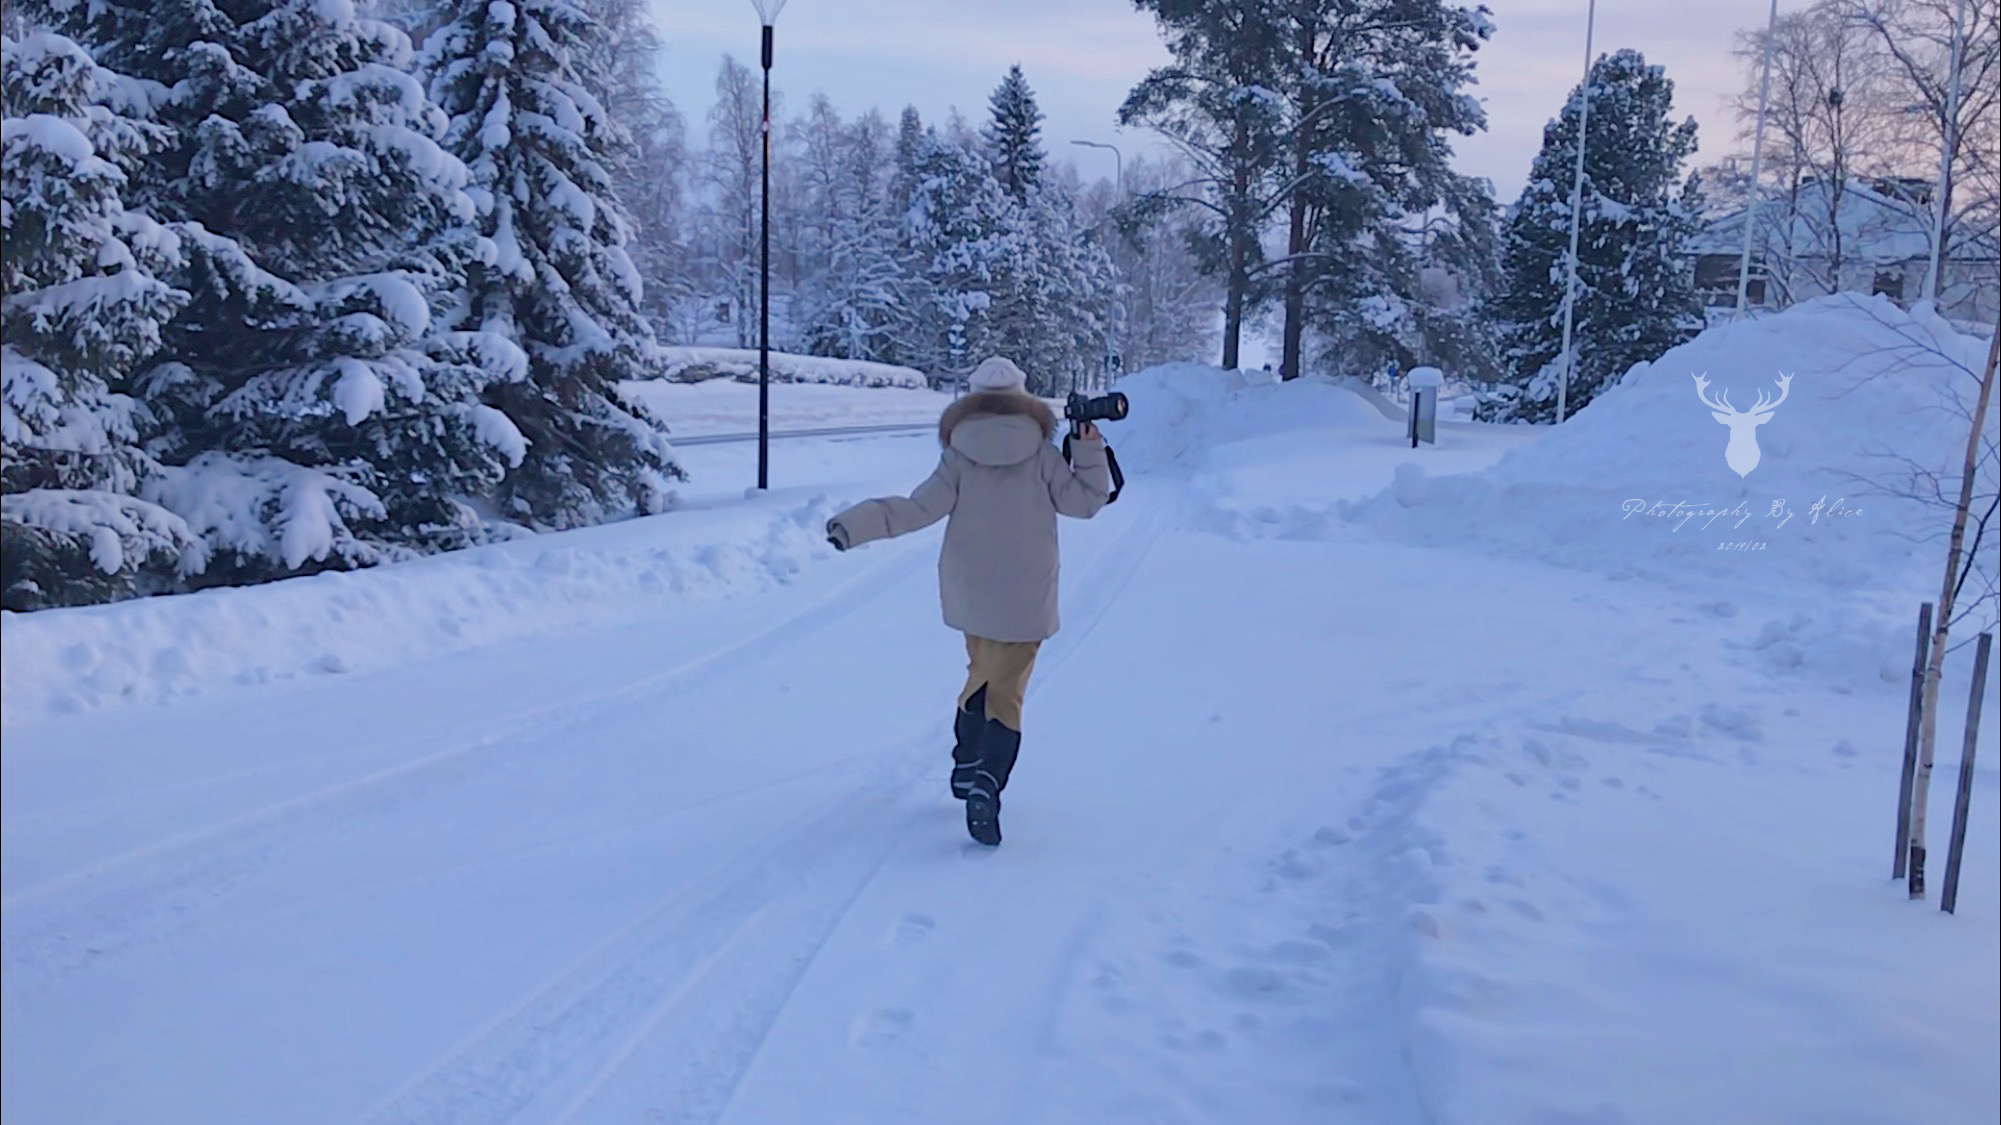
x: 1874, y: 226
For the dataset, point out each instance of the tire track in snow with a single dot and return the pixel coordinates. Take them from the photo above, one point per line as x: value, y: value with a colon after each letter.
x: 676, y: 941
x: 113, y: 902
x: 1108, y: 574
x: 699, y: 1030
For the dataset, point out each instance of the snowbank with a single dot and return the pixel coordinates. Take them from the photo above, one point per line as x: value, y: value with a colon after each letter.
x: 1638, y: 484
x: 725, y: 406
x: 69, y: 660
x: 1185, y: 411
x: 694, y: 365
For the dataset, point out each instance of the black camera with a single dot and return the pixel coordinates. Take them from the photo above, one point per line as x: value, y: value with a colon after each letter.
x: 1105, y: 408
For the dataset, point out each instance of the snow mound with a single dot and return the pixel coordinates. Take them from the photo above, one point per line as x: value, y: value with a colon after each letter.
x: 65, y: 661
x: 695, y: 365
x: 1644, y: 482
x: 1183, y: 411
x: 725, y: 406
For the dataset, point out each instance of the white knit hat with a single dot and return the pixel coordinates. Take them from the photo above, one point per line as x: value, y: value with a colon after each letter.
x: 998, y: 374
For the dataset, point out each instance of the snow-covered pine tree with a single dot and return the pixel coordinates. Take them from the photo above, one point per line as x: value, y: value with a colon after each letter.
x: 650, y: 171
x: 360, y: 433
x: 1635, y: 298
x: 1058, y: 299
x: 909, y: 138
x: 957, y: 237
x: 1092, y: 300
x: 1216, y: 106
x: 559, y: 281
x: 82, y: 309
x: 1374, y: 90
x: 1013, y: 135
x: 320, y: 413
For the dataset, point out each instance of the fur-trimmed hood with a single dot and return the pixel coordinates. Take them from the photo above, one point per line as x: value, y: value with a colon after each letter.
x: 997, y: 428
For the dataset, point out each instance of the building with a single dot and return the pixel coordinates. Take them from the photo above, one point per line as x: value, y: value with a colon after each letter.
x: 1871, y: 236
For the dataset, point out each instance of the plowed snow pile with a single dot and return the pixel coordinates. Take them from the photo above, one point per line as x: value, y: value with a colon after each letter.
x: 1637, y: 483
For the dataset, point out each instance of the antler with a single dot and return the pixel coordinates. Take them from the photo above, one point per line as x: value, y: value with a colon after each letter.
x: 1785, y: 388
x: 1721, y: 402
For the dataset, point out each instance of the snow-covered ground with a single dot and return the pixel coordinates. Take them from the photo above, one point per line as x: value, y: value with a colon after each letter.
x: 699, y: 363
x: 725, y: 406
x: 1324, y: 813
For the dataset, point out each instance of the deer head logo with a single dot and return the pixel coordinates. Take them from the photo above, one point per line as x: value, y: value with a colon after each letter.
x: 1742, y: 453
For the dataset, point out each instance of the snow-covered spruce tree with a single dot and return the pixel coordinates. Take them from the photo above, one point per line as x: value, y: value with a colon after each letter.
x: 82, y: 309
x: 957, y: 237
x: 558, y: 281
x: 360, y: 433
x: 650, y: 169
x: 320, y: 412
x: 909, y: 138
x: 1635, y: 298
x: 1013, y: 135
x: 1056, y: 304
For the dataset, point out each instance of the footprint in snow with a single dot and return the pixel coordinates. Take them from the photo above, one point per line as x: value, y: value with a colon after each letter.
x: 1254, y: 982
x: 913, y: 927
x: 1292, y: 951
x: 876, y: 1030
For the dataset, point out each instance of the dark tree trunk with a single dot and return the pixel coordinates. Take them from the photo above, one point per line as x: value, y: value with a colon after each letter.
x: 1295, y: 244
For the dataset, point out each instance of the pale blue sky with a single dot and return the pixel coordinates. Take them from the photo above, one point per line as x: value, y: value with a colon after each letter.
x: 1082, y: 56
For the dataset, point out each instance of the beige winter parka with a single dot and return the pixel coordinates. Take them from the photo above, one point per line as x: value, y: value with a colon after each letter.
x: 1002, y: 483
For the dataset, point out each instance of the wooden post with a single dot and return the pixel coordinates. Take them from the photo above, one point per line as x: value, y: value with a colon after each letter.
x: 1958, y: 845
x: 1911, y: 741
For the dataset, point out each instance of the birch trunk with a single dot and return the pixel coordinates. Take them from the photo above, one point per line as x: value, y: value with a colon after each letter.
x: 1935, y: 663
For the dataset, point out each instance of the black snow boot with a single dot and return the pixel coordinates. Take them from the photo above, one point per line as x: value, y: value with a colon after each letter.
x: 968, y: 727
x: 999, y: 746
x: 983, y: 814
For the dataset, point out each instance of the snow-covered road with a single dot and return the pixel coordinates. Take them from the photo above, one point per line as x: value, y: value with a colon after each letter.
x: 1307, y: 827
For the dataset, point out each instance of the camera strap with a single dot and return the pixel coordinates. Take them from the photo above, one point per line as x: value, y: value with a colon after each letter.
x: 1111, y: 462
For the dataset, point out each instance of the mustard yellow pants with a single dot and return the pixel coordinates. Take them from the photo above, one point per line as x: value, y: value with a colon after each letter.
x: 1003, y: 668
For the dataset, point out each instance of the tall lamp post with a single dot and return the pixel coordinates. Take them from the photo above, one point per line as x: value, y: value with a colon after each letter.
x: 1757, y: 162
x: 767, y: 13
x: 1576, y: 217
x: 1949, y: 148
x: 1119, y: 184
x: 1118, y: 191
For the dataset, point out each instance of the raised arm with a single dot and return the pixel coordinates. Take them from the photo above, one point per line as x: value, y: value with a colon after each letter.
x: 891, y: 516
x: 1081, y: 486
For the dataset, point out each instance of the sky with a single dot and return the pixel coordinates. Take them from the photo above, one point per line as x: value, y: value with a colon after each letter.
x: 1082, y: 56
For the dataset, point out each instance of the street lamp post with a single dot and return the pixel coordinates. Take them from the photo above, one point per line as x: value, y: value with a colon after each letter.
x: 1118, y: 157
x: 1576, y: 217
x: 1757, y: 162
x: 767, y: 13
